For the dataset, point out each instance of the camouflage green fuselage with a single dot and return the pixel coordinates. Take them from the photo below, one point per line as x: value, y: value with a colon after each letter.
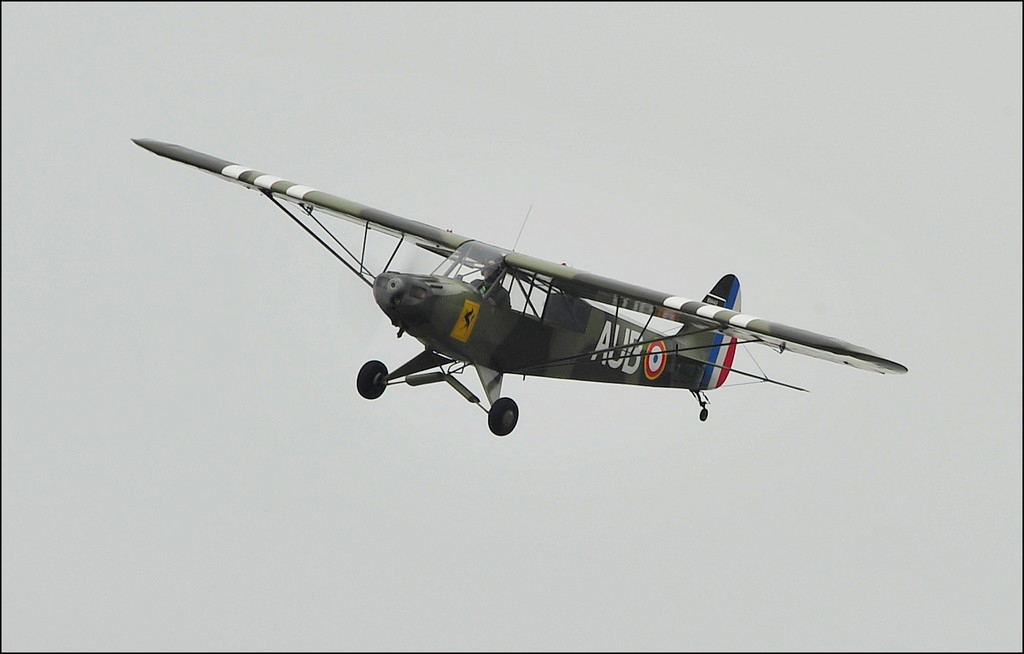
x: 572, y: 339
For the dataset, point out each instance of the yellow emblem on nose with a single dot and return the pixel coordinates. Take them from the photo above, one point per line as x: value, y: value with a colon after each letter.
x: 467, y: 318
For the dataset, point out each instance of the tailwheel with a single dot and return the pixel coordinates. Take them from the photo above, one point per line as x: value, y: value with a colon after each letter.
x: 372, y: 380
x: 503, y: 416
x: 703, y: 400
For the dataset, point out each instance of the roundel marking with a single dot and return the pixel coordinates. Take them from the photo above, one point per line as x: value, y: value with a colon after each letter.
x: 654, y: 362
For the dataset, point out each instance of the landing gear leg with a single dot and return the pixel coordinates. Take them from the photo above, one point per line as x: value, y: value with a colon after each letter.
x: 703, y: 400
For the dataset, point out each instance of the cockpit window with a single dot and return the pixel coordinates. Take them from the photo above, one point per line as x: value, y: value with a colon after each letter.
x: 478, y: 264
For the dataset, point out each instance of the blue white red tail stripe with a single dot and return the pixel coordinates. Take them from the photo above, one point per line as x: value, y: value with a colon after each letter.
x: 727, y: 289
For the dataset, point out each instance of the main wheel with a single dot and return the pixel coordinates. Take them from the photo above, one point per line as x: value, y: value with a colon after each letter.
x: 372, y: 380
x: 503, y: 416
x: 703, y: 415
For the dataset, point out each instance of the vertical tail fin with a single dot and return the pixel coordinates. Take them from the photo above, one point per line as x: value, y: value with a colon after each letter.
x: 726, y: 294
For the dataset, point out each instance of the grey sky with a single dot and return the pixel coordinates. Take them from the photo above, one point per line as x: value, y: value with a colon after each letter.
x: 186, y: 463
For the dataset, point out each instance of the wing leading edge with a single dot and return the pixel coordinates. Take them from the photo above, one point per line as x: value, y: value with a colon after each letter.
x: 283, y: 189
x: 707, y: 316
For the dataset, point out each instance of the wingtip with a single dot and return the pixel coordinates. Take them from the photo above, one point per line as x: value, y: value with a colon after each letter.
x: 156, y: 147
x: 894, y: 368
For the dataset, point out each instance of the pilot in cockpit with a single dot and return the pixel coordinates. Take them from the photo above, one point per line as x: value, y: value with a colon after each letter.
x: 490, y: 286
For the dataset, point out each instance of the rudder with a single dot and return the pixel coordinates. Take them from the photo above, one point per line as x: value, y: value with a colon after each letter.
x: 725, y: 294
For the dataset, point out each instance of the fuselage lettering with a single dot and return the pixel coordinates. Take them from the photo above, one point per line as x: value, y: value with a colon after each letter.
x: 613, y: 348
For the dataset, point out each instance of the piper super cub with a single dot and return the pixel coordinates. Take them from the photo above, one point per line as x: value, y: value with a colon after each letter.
x: 504, y: 312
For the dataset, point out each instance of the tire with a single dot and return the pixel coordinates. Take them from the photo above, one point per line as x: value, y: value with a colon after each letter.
x: 703, y: 415
x: 372, y: 380
x: 503, y: 416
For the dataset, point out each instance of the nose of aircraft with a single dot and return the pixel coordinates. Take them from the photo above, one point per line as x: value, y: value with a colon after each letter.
x: 401, y: 297
x: 388, y: 290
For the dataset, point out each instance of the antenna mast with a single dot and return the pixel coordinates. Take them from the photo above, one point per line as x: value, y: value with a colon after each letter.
x: 522, y: 227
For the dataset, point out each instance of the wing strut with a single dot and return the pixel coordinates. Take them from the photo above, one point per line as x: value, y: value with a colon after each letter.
x: 368, y: 282
x: 309, y: 212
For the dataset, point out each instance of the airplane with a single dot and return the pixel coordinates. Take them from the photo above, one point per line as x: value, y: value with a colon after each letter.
x: 507, y: 313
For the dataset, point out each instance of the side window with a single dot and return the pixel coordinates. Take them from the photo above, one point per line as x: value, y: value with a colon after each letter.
x: 567, y: 312
x: 525, y: 296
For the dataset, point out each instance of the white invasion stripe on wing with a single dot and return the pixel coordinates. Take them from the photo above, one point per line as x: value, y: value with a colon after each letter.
x: 708, y: 311
x: 234, y: 171
x: 676, y: 302
x: 266, y: 181
x: 742, y: 319
x: 299, y: 191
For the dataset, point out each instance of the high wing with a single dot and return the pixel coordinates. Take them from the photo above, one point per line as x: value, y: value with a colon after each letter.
x: 702, y: 315
x: 567, y: 279
x: 282, y: 189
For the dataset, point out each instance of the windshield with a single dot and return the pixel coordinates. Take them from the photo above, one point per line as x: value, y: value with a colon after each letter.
x: 473, y: 263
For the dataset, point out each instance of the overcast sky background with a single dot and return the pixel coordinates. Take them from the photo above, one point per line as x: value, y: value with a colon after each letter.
x: 186, y: 463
